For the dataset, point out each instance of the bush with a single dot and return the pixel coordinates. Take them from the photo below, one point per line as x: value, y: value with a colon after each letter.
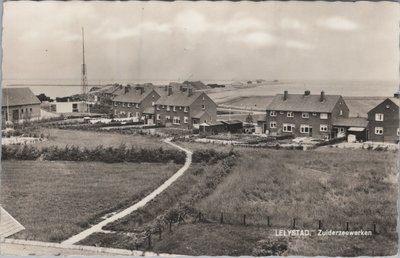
x: 270, y: 247
x: 210, y: 156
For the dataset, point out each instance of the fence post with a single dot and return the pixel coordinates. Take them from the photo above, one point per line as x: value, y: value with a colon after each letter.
x: 294, y: 223
x: 149, y: 241
x: 170, y: 226
x: 244, y: 219
x: 222, y: 218
x: 200, y: 217
x: 347, y: 226
x: 319, y: 224
x: 268, y: 222
x: 160, y: 232
x: 374, y: 228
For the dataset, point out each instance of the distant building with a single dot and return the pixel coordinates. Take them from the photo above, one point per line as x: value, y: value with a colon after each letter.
x: 69, y: 107
x: 185, y: 109
x: 384, y: 121
x: 137, y: 102
x: 303, y: 115
x: 19, y: 104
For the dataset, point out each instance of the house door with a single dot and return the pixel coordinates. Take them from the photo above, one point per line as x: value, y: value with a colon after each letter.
x: 15, y: 115
x: 310, y: 129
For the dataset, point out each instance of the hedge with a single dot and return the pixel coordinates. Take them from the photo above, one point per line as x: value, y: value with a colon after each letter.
x: 100, y: 153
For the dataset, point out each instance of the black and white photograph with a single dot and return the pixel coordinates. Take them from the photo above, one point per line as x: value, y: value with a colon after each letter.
x: 200, y: 128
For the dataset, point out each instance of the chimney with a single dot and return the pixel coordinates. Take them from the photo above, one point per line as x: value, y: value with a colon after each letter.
x: 190, y: 91
x: 307, y: 93
x: 285, y: 95
x: 140, y: 89
x: 169, y: 90
x: 126, y: 88
x: 165, y: 88
x: 396, y: 95
x: 322, y: 96
x: 181, y: 88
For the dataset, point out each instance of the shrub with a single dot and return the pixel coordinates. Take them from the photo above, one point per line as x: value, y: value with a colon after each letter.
x: 270, y: 247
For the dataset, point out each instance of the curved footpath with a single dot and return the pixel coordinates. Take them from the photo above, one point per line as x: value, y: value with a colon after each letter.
x: 98, y: 227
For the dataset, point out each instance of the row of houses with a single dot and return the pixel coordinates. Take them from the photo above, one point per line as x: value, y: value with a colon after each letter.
x: 166, y: 106
x: 325, y: 116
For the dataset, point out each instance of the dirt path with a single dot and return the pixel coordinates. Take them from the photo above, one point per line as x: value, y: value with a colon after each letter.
x: 97, y: 228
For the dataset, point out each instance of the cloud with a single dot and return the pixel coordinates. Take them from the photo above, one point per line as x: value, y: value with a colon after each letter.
x: 241, y: 25
x: 191, y: 21
x: 291, y: 24
x: 257, y: 39
x: 337, y: 23
x: 297, y: 45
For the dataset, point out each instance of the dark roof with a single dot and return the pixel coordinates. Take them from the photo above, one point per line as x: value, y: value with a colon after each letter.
x: 133, y: 96
x: 395, y: 101
x: 350, y: 121
x: 199, y: 114
x: 232, y: 122
x: 177, y: 98
x: 302, y: 103
x: 18, y: 97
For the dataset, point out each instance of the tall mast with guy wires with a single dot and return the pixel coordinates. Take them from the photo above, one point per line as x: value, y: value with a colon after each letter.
x: 83, y: 74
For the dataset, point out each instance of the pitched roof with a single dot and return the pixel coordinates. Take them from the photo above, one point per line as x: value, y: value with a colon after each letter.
x: 350, y: 121
x: 231, y: 122
x: 395, y: 101
x: 149, y: 110
x: 200, y: 114
x: 8, y: 225
x: 18, y: 97
x: 178, y: 98
x: 302, y: 103
x: 133, y: 96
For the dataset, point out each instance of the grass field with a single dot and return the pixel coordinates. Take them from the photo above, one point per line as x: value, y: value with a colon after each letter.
x: 91, y: 139
x: 355, y: 186
x: 55, y: 200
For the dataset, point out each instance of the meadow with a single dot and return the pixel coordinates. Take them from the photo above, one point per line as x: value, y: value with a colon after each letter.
x: 55, y: 200
x: 334, y: 187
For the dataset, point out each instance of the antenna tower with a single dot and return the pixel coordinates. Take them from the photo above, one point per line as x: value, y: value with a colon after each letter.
x: 83, y: 74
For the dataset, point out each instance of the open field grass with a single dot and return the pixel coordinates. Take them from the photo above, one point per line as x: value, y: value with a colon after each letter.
x: 55, y: 200
x: 91, y: 139
x: 355, y: 186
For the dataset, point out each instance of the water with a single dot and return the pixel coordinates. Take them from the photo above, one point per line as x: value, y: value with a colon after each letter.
x: 346, y: 88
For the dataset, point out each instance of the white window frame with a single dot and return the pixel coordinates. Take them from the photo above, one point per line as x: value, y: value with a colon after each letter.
x: 314, y: 114
x: 272, y: 113
x: 203, y: 106
x: 303, y: 129
x: 272, y: 124
x: 379, y: 130
x: 341, y: 113
x: 137, y: 105
x: 285, y: 128
x: 290, y: 114
x: 167, y: 118
x: 123, y: 104
x: 153, y: 103
x: 323, y: 116
x: 323, y: 128
x: 185, y: 109
x: 137, y: 114
x: 379, y: 117
x: 305, y: 115
x: 168, y: 108
x: 174, y: 108
x: 158, y: 117
x: 176, y: 120
x: 341, y: 130
x: 186, y: 119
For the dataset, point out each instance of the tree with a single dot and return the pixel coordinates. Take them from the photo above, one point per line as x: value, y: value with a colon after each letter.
x: 249, y: 119
x: 42, y: 97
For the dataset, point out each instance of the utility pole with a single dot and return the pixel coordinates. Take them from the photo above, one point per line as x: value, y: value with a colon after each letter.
x: 83, y: 74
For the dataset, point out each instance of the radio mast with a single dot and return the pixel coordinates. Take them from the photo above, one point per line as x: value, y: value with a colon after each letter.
x: 83, y: 74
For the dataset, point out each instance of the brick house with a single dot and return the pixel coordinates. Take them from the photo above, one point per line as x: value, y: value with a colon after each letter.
x: 184, y: 108
x: 305, y: 115
x: 19, y: 104
x: 136, y: 102
x: 383, y: 120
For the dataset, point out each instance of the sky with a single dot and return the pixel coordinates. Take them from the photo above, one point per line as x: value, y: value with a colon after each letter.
x: 210, y: 41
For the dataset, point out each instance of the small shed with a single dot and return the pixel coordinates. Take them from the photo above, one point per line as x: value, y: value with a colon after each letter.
x: 355, y: 127
x: 233, y: 126
x: 211, y: 128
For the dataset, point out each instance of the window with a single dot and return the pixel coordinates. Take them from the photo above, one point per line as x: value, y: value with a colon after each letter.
x: 174, y: 109
x: 185, y: 119
x: 305, y: 115
x: 290, y: 114
x: 288, y: 128
x: 378, y: 117
x: 153, y: 103
x: 137, y: 114
x: 158, y: 117
x: 168, y: 108
x: 341, y: 112
x: 185, y: 109
x: 398, y: 131
x: 304, y: 128
x: 129, y: 104
x: 123, y: 104
x: 176, y: 120
x: 323, y: 115
x: 158, y: 107
x: 281, y: 112
x: 167, y: 117
x: 116, y: 104
x: 137, y: 105
x: 323, y: 128
x: 341, y: 130
x: 314, y: 114
x: 203, y: 106
x: 272, y: 124
x: 379, y: 130
x: 22, y: 111
x: 272, y: 113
